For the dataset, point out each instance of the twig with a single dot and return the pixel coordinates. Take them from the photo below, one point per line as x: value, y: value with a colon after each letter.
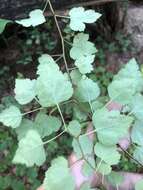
x: 130, y: 156
x: 54, y: 138
x: 83, y: 156
x: 61, y: 36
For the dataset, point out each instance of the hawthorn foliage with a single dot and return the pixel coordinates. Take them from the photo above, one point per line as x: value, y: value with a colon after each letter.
x: 54, y: 87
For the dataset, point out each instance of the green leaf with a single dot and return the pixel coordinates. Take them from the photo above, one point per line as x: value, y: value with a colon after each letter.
x: 46, y: 125
x: 3, y: 23
x: 126, y: 83
x: 108, y: 154
x: 86, y: 145
x: 36, y: 17
x: 59, y: 176
x: 84, y: 64
x: 75, y: 76
x: 87, y: 90
x: 137, y: 133
x: 52, y: 86
x: 103, y: 167
x: 30, y: 150
x: 138, y: 154
x: 86, y: 186
x: 11, y: 117
x: 139, y: 185
x: 111, y: 126
x: 79, y: 114
x: 78, y: 18
x: 115, y: 178
x: 137, y: 106
x: 82, y: 47
x: 46, y: 59
x: 122, y: 91
x: 24, y: 127
x: 87, y: 170
x: 24, y: 90
x: 74, y: 128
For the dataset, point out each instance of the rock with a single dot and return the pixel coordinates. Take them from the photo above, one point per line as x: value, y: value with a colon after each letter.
x: 133, y: 25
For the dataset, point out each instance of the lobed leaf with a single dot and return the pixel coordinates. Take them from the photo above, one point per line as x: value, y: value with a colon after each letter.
x: 74, y: 128
x: 84, y: 64
x: 46, y: 125
x: 52, y: 87
x: 25, y: 90
x: 82, y: 47
x: 108, y: 154
x: 85, y: 144
x: 58, y: 176
x: 111, y: 126
x: 3, y: 23
x: 11, y: 117
x: 78, y: 18
x: 30, y: 150
x: 36, y: 17
x: 126, y: 83
x: 87, y: 90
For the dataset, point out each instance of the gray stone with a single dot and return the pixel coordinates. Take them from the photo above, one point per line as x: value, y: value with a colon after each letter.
x: 133, y: 25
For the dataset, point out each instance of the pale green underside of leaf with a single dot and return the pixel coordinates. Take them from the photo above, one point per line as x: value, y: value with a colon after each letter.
x: 52, y: 86
x: 86, y: 186
x: 3, y: 23
x: 138, y: 154
x: 78, y: 18
x: 75, y: 76
x: 139, y: 185
x: 115, y: 178
x: 87, y: 90
x: 24, y: 90
x: 74, y: 128
x: 59, y: 176
x: 137, y: 106
x: 82, y: 47
x: 86, y: 168
x: 126, y: 83
x: 36, y: 17
x: 111, y: 126
x: 86, y: 145
x: 24, y: 127
x: 137, y: 133
x: 30, y: 150
x: 79, y: 114
x: 108, y: 154
x: 103, y: 167
x: 11, y: 117
x: 84, y: 64
x: 46, y: 125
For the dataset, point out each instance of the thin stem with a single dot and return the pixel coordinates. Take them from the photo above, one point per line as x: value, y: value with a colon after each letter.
x: 80, y: 159
x: 117, y: 187
x: 61, y: 36
x: 98, y: 166
x: 59, y: 109
x: 130, y: 156
x: 55, y: 108
x: 48, y: 141
x: 83, y: 156
x: 54, y: 138
x: 57, y: 55
x: 59, y: 58
x: 62, y: 16
x: 37, y: 109
x: 46, y: 4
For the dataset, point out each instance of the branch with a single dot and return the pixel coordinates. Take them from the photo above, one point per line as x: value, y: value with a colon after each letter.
x: 96, y: 2
x: 61, y: 36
